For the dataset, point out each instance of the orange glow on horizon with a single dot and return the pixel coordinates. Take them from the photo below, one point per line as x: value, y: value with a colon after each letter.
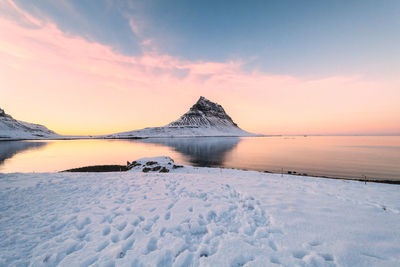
x: 77, y: 87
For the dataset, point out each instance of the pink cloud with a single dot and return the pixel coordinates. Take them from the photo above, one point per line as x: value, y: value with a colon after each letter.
x: 76, y: 86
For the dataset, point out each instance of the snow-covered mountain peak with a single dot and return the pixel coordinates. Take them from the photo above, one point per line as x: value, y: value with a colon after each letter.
x: 3, y: 114
x: 204, y: 118
x: 204, y: 113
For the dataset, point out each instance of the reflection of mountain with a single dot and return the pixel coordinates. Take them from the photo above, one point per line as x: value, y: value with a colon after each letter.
x: 204, y: 152
x: 10, y: 148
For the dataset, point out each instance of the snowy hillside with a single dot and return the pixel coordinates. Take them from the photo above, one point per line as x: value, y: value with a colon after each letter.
x: 11, y: 129
x: 205, y: 118
x: 195, y: 217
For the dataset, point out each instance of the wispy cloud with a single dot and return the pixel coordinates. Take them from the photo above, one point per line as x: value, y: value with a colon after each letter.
x: 77, y: 86
x: 10, y: 10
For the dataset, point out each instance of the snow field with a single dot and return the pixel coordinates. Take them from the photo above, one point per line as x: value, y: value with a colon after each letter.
x: 196, y: 216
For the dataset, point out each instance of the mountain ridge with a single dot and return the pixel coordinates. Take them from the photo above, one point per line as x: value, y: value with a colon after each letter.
x: 204, y: 118
x: 12, y: 129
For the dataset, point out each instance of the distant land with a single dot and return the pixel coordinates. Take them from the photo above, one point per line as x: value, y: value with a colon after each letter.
x: 204, y: 118
x: 12, y: 129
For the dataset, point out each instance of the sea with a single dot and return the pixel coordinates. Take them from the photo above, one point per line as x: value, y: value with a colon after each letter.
x: 355, y: 157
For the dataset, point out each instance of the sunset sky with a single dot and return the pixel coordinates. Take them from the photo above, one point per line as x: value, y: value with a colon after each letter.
x: 277, y: 67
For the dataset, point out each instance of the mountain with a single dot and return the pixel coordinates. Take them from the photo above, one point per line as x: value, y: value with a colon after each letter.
x: 205, y: 118
x: 204, y: 114
x: 12, y: 129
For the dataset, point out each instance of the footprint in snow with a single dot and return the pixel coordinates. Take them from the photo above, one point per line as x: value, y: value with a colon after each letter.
x: 151, y: 245
x: 125, y: 247
x: 275, y: 260
x: 326, y: 256
x: 299, y: 254
x: 272, y: 245
x: 314, y: 243
x: 122, y: 226
x: 115, y: 238
x: 127, y: 234
x: 103, y: 246
x: 81, y: 224
x: 106, y: 230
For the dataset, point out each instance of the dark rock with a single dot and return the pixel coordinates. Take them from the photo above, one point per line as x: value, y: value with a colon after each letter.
x: 177, y: 166
x: 100, y: 168
x: 164, y: 169
x: 145, y: 169
x: 3, y: 114
x: 151, y: 163
x: 134, y: 164
x: 156, y: 168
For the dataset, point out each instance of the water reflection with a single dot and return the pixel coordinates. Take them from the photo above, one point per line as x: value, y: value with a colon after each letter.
x: 10, y: 148
x: 338, y: 156
x: 203, y: 152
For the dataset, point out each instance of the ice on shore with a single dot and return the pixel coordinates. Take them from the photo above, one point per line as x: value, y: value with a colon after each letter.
x: 196, y: 217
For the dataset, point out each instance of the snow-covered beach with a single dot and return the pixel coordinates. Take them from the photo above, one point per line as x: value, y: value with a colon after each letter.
x: 196, y: 217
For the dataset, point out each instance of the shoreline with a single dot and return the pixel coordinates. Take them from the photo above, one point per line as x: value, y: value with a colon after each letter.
x: 123, y: 168
x: 132, y: 137
x: 188, y: 136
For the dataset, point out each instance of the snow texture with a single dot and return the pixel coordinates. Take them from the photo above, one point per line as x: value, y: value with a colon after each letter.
x: 205, y: 118
x: 11, y: 129
x: 195, y: 217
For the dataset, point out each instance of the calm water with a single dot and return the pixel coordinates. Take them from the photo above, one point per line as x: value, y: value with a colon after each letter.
x: 339, y: 156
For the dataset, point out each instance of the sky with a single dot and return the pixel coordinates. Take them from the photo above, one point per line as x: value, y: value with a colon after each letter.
x: 277, y: 67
